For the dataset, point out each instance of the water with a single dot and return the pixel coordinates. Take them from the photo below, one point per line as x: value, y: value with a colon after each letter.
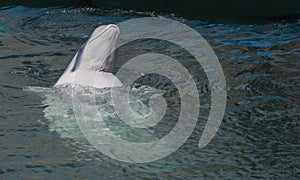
x: 216, y: 10
x: 259, y: 135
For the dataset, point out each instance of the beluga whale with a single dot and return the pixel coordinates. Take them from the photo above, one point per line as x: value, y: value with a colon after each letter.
x: 94, y: 62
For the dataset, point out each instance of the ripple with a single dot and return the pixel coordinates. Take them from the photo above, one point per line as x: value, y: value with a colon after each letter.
x: 257, y: 139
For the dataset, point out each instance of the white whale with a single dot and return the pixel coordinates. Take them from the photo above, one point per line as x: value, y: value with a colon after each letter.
x: 94, y: 62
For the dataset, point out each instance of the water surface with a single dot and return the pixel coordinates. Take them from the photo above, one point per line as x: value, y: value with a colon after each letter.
x: 259, y: 135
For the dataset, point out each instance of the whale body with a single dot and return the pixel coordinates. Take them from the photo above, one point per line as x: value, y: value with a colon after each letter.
x: 93, y: 63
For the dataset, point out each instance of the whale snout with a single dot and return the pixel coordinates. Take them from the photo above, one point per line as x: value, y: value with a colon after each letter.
x: 113, y: 27
x: 110, y: 30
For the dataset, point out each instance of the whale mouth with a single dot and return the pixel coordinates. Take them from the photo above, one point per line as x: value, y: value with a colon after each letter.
x: 111, y: 29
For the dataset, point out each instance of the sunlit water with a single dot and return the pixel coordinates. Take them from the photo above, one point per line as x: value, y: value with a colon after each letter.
x: 40, y: 138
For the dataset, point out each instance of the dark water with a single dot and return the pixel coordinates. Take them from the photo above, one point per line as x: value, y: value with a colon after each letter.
x: 213, y: 10
x: 259, y: 135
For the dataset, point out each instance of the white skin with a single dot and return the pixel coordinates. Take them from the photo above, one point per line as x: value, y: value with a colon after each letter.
x: 94, y: 62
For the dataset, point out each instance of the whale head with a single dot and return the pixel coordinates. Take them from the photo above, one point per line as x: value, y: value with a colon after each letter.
x: 97, y: 54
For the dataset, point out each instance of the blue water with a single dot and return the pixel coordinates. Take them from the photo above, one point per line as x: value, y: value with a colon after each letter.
x: 259, y: 134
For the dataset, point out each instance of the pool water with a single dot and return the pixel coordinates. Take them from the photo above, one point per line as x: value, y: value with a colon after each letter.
x: 258, y: 137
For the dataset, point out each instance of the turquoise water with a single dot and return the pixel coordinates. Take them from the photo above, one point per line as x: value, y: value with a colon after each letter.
x: 259, y: 135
